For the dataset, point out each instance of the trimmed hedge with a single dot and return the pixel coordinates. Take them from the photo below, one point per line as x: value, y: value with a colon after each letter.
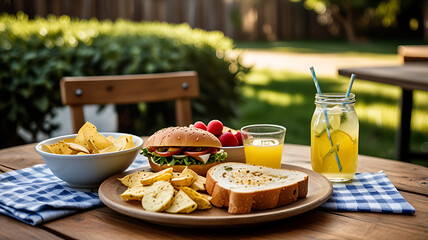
x: 36, y: 53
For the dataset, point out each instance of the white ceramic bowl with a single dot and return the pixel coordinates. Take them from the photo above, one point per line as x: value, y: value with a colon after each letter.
x: 88, y: 171
x: 235, y: 154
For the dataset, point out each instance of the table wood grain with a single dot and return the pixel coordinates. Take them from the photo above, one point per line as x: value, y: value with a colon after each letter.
x: 103, y: 223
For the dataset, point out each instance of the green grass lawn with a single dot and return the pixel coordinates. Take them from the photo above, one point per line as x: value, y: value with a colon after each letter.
x: 375, y: 48
x: 287, y: 98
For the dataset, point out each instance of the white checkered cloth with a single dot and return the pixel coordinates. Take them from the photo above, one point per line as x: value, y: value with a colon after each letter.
x: 368, y: 192
x: 34, y: 195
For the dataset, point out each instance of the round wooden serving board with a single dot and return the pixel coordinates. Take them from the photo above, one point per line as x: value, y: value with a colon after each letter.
x: 320, y: 190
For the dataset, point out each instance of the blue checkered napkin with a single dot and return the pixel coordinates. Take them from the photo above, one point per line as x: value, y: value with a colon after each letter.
x: 34, y: 195
x: 368, y: 192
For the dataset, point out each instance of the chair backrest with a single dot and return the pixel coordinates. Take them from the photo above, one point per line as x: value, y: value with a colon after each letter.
x: 121, y: 89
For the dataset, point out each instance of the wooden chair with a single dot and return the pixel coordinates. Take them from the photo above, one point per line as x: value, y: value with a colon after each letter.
x: 121, y: 89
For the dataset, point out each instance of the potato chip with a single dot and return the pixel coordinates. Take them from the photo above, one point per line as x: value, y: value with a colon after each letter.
x: 92, y: 146
x: 181, y: 203
x: 110, y: 149
x: 207, y: 196
x: 80, y: 138
x: 155, y: 193
x: 69, y: 140
x: 77, y: 147
x: 187, y: 171
x: 48, y: 148
x: 175, y: 174
x: 120, y: 142
x: 133, y: 179
x: 129, y: 143
x: 200, y: 200
x: 164, y: 175
x: 158, y: 197
x: 61, y: 148
x: 98, y: 140
x: 88, y: 140
x: 186, y: 178
x: 199, y: 184
x: 124, y: 142
x: 135, y: 193
x: 182, y: 181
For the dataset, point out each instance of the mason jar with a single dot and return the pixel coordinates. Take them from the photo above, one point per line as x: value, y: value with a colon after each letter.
x: 334, y: 136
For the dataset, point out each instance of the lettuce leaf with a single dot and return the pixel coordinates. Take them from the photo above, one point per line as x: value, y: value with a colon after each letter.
x: 218, y: 157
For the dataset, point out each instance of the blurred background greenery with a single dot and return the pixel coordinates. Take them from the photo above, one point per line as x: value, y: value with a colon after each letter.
x: 36, y: 53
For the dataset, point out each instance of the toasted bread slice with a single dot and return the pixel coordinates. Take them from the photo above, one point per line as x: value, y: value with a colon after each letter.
x: 243, y: 187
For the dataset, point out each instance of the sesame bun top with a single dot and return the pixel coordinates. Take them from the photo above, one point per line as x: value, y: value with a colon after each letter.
x: 183, y: 137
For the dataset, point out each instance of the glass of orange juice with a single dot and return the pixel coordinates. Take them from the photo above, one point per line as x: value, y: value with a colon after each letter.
x: 334, y: 137
x: 263, y: 144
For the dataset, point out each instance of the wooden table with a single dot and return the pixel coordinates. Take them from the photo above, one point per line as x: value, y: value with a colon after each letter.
x: 103, y: 223
x: 409, y: 76
x: 413, y: 53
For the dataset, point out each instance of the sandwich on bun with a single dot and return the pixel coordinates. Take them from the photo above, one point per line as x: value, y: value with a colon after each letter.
x: 181, y: 147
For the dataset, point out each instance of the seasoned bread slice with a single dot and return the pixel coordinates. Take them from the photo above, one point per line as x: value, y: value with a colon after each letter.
x: 243, y: 187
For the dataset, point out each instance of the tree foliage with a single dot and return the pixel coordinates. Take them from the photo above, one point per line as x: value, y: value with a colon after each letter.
x: 353, y: 14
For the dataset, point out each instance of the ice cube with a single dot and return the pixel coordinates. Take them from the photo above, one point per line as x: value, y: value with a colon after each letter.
x: 318, y: 123
x: 334, y: 121
x: 334, y: 117
x: 334, y: 110
x: 265, y: 142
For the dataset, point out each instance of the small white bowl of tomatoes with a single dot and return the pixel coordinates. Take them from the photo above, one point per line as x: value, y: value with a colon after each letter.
x: 231, y: 140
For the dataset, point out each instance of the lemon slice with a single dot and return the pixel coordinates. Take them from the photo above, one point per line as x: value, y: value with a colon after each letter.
x: 342, y: 144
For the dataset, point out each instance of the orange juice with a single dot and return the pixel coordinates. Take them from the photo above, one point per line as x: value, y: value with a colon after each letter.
x: 264, y: 152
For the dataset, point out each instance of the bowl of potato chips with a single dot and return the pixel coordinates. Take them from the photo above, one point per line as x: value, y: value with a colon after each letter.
x: 86, y: 159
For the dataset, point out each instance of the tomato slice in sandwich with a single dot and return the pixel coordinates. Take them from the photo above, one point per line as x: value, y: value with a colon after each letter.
x: 192, y: 152
x: 213, y: 150
x: 201, y: 154
x: 167, y: 152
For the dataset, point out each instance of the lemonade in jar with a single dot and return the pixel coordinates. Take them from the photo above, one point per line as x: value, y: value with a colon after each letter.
x: 334, y: 142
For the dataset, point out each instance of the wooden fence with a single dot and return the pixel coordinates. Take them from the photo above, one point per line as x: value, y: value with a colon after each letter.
x: 239, y: 19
